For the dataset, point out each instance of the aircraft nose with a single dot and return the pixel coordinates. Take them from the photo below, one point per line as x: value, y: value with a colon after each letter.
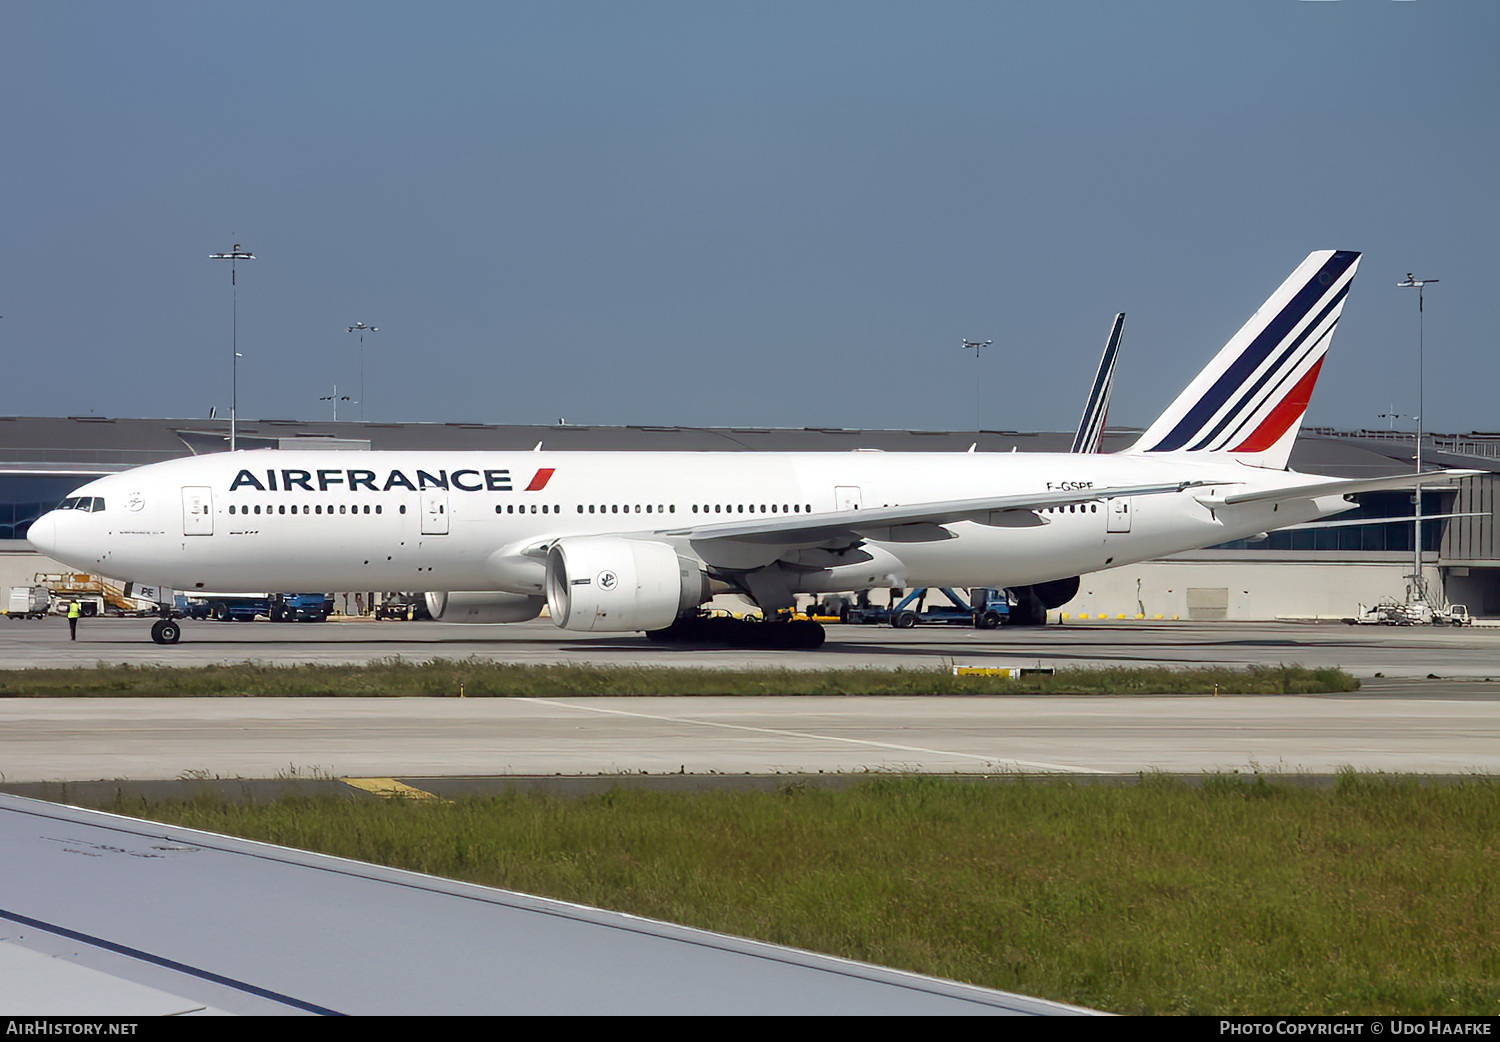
x: 43, y: 532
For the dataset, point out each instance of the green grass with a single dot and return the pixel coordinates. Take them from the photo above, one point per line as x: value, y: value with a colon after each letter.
x: 478, y: 678
x: 1242, y: 896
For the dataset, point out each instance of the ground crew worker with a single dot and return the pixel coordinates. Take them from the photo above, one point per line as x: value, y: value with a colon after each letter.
x: 73, y: 612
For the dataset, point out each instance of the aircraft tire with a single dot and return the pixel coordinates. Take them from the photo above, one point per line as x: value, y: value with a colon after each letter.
x: 166, y: 631
x: 741, y: 633
x: 1029, y: 610
x: 806, y: 636
x: 695, y: 629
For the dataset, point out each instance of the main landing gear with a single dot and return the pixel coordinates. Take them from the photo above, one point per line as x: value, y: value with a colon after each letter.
x: 166, y: 629
x: 799, y: 635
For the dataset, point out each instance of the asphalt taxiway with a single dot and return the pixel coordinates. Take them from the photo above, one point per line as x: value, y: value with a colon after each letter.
x: 1432, y: 711
x: 216, y: 738
x: 1365, y: 651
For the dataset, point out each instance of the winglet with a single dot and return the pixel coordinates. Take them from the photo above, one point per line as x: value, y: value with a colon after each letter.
x: 1249, y: 401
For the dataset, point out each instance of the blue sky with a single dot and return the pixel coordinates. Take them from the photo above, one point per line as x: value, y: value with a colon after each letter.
x: 723, y: 213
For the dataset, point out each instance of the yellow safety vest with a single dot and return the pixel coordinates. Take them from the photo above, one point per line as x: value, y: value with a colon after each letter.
x: 73, y: 610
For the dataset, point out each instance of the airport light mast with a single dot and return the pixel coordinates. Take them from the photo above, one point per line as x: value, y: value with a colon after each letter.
x: 362, y: 329
x: 976, y: 346
x: 1419, y: 588
x: 335, y: 398
x: 234, y: 256
x: 1393, y: 416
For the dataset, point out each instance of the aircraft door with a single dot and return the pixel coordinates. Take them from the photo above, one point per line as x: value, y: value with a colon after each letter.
x: 197, y: 510
x: 1119, y: 514
x: 435, y: 511
x: 846, y: 497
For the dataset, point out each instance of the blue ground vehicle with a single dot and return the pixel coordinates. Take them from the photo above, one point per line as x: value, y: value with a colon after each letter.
x: 240, y: 607
x: 301, y: 607
x: 986, y: 608
x: 244, y: 607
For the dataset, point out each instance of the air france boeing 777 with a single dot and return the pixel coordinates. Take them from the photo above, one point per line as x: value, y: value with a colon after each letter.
x: 632, y: 541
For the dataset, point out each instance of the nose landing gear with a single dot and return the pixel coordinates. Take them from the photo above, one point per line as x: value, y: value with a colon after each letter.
x: 166, y: 631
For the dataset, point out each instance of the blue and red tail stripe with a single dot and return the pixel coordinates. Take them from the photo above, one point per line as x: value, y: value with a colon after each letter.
x: 1255, y: 391
x: 1234, y: 378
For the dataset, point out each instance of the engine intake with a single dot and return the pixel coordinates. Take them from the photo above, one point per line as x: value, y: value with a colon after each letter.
x: 610, y: 584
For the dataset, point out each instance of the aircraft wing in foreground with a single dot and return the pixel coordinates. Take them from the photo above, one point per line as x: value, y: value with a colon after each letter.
x: 111, y: 916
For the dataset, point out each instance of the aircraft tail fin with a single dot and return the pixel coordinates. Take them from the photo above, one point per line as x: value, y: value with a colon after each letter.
x: 1249, y: 401
x: 1090, y: 435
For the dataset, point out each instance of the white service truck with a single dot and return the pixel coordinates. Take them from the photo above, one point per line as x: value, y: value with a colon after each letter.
x: 28, y: 602
x: 1412, y: 614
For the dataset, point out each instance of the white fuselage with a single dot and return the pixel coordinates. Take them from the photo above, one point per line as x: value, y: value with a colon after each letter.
x: 341, y: 520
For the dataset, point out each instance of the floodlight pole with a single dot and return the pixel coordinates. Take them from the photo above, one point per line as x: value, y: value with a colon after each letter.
x: 1393, y: 416
x: 335, y: 398
x: 234, y: 256
x: 362, y: 329
x: 1417, y: 284
x: 976, y: 346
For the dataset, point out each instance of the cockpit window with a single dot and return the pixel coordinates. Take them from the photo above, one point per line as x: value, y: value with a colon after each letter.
x: 89, y: 503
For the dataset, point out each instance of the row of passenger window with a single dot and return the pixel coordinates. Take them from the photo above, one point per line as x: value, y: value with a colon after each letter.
x: 638, y: 508
x: 1073, y: 508
x: 509, y: 508
x: 741, y: 508
x: 616, y: 508
x: 300, y: 508
x: 548, y: 508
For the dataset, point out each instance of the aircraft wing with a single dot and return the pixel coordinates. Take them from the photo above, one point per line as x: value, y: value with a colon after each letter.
x: 988, y: 510
x: 113, y: 916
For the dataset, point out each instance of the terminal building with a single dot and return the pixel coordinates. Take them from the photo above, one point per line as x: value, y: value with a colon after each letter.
x: 1317, y: 573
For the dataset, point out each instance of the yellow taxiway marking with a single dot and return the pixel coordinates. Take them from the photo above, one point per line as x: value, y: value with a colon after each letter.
x: 390, y: 787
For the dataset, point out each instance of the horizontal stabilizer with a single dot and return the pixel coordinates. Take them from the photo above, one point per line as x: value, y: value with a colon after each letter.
x: 1380, y: 521
x: 1346, y: 486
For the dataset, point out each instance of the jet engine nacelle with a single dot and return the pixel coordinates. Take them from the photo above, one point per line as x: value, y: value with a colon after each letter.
x: 483, y: 606
x: 1032, y: 602
x: 606, y: 583
x: 1057, y: 592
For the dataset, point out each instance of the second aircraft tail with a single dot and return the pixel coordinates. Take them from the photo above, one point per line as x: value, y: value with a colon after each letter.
x: 1090, y: 436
